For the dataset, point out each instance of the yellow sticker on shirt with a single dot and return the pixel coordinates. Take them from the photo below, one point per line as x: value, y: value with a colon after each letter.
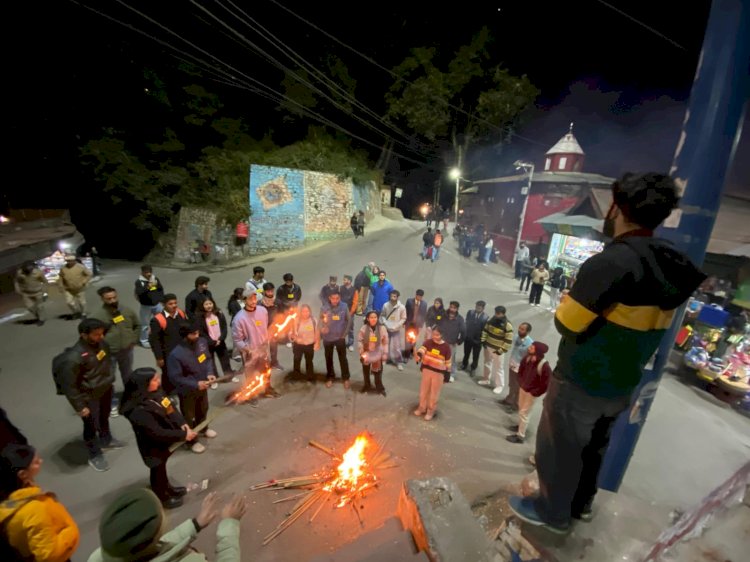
x: 290, y: 296
x: 166, y: 402
x: 336, y: 317
x: 308, y: 328
x: 152, y: 288
x: 438, y: 317
x: 118, y: 319
x: 101, y: 355
x: 258, y: 323
x: 435, y: 351
x: 374, y: 338
x: 201, y: 358
x: 213, y: 322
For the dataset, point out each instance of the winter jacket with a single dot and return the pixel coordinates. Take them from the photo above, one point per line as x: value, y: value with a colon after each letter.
x: 157, y: 424
x: 149, y: 292
x: 42, y: 529
x: 334, y: 322
x: 32, y: 285
x: 288, y: 297
x: 622, y: 303
x: 194, y: 301
x: 203, y: 327
x: 362, y: 279
x: 534, y: 371
x: 189, y: 364
x: 123, y: 326
x: 350, y: 296
x: 234, y: 306
x: 393, y: 316
x: 325, y: 292
x: 474, y: 326
x: 497, y: 334
x: 539, y: 277
x: 428, y: 238
x: 74, y: 279
x: 175, y: 545
x: 164, y: 340
x: 373, y: 342
x: 557, y: 280
x: 452, y: 329
x: 86, y: 373
x: 434, y: 316
x: 437, y: 240
x: 416, y: 315
x: 250, y: 329
x: 380, y: 294
x: 518, y: 351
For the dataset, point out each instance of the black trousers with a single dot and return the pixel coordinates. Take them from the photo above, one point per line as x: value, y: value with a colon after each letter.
x: 340, y: 346
x: 273, y: 345
x: 222, y: 353
x: 536, y: 293
x: 471, y: 349
x: 97, y: 422
x: 298, y: 350
x: 159, y: 480
x: 377, y: 374
x: 527, y: 278
x: 194, y: 407
x: 572, y: 438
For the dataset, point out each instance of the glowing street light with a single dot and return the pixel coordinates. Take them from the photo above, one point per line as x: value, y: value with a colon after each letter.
x: 455, y: 174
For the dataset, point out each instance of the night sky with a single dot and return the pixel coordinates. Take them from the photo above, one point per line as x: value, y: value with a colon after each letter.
x: 73, y: 72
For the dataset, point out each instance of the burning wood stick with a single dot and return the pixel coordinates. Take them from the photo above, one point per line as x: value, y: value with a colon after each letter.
x: 294, y: 497
x: 314, y: 515
x: 284, y: 525
x: 325, y: 449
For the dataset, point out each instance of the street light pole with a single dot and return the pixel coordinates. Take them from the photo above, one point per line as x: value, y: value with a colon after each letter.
x: 455, y: 205
x: 530, y: 169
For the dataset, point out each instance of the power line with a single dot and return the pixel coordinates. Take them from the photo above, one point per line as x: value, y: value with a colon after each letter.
x: 651, y: 29
x: 400, y: 78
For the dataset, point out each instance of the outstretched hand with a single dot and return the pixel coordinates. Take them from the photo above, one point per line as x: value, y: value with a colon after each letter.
x: 209, y: 510
x: 235, y: 508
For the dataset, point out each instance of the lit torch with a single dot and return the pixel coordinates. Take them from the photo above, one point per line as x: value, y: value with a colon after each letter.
x: 278, y: 328
x: 252, y: 388
x: 411, y: 336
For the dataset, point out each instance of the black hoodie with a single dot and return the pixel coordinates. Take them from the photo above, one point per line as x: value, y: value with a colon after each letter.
x: 618, y: 310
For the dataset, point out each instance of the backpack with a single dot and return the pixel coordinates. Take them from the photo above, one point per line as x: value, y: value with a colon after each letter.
x: 539, y: 367
x: 58, y: 362
x: 162, y: 320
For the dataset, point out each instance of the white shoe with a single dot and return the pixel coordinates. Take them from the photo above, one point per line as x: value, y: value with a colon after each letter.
x: 235, y: 379
x: 400, y: 367
x: 351, y: 348
x: 289, y: 344
x: 210, y: 433
x: 452, y: 379
x: 214, y: 385
x: 484, y: 382
x: 498, y: 390
x: 198, y: 448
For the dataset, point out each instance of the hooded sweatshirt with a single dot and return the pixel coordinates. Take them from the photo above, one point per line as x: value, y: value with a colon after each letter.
x: 149, y: 292
x: 618, y: 310
x: 534, y: 371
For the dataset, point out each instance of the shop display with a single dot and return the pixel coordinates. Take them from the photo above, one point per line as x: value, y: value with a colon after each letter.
x: 569, y: 252
x: 52, y: 264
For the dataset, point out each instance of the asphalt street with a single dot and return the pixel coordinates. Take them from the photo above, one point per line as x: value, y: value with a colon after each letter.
x: 687, y: 447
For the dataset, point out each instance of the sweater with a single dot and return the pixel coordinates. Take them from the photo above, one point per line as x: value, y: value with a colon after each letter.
x: 534, y: 371
x: 334, y: 322
x: 498, y: 334
x: 435, y: 357
x: 452, y: 329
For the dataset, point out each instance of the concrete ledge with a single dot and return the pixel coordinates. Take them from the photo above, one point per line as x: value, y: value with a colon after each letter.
x: 441, y: 522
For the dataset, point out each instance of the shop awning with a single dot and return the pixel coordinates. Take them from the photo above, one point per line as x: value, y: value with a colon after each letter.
x: 572, y: 225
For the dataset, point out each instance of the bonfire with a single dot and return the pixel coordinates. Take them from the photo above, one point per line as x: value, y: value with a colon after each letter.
x: 342, y: 484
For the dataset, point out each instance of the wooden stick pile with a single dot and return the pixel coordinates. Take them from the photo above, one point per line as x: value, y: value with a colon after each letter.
x: 314, y: 485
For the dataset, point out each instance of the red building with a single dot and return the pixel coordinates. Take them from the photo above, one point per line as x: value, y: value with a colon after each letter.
x: 497, y: 203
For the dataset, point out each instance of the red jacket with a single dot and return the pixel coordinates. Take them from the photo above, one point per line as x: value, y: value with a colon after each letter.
x: 534, y: 371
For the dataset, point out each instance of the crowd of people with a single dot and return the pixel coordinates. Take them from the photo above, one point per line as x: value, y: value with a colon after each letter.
x: 610, y: 322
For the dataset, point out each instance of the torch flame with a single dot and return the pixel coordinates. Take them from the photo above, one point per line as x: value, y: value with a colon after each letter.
x: 253, y: 387
x: 353, y: 474
x: 280, y: 327
x: 411, y: 336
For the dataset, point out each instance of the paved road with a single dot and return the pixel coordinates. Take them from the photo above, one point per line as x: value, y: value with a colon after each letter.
x: 688, y: 446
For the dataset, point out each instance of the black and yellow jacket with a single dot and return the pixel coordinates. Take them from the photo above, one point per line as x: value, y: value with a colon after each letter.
x: 617, y: 311
x: 497, y: 334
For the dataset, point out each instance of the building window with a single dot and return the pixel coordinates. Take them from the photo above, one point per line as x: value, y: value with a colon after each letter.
x: 547, y: 164
x: 490, y: 199
x: 563, y: 161
x: 512, y: 200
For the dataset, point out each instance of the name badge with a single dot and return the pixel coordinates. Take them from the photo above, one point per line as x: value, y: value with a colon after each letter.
x: 258, y: 323
x: 308, y: 328
x: 101, y: 355
x: 335, y: 317
x: 201, y: 358
x: 290, y: 296
x: 213, y: 322
x: 166, y: 402
x: 435, y: 351
x: 152, y: 288
x: 373, y: 338
x: 438, y: 317
x: 118, y: 319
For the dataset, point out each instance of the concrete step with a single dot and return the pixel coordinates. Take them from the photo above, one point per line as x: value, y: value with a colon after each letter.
x: 389, y: 542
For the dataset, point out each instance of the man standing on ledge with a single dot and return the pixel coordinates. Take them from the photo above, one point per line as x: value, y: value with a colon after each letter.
x: 611, y: 323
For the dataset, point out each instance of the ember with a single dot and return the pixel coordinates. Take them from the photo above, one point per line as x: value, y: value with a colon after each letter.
x: 252, y: 388
x: 348, y: 480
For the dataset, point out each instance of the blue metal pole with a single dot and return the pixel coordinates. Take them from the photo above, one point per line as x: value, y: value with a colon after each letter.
x: 703, y: 156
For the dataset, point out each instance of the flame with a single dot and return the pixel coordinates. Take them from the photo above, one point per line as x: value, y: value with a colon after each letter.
x: 353, y: 474
x: 252, y: 388
x: 280, y: 327
x: 411, y: 336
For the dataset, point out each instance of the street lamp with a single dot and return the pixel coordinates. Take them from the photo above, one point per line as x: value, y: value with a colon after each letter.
x: 525, y: 191
x: 455, y: 174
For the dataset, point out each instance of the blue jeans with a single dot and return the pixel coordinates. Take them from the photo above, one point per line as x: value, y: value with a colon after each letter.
x: 146, y: 313
x: 435, y: 252
x: 486, y: 255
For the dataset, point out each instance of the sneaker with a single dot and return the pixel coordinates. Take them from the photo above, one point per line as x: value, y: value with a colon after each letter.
x: 419, y: 413
x: 347, y: 385
x: 113, y: 444
x: 484, y: 382
x: 289, y: 344
x: 277, y: 367
x: 114, y: 412
x: 498, y: 390
x: 515, y: 438
x: 400, y: 367
x: 452, y: 379
x: 198, y: 448
x: 524, y: 509
x: 99, y: 463
x: 587, y: 515
x: 177, y: 491
x: 235, y: 379
x: 145, y: 345
x: 210, y: 433
x: 351, y: 348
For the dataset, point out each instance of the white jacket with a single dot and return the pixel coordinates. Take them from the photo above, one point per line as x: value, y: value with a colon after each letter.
x: 393, y: 316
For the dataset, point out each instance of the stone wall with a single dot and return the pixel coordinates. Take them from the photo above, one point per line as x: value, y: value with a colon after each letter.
x: 328, y: 206
x: 194, y: 224
x: 367, y: 199
x: 277, y: 200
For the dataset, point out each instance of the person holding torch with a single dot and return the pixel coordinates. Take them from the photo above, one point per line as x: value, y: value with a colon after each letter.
x: 373, y: 351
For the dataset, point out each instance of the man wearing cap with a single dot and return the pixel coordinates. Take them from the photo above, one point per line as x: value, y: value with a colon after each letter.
x: 331, y: 287
x: 132, y: 525
x: 191, y: 371
x: 73, y: 280
x: 349, y: 296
